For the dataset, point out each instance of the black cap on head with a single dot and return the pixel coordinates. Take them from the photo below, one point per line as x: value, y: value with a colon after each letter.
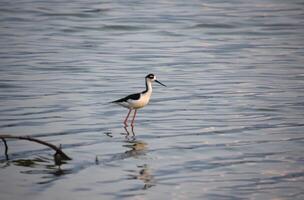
x: 150, y: 76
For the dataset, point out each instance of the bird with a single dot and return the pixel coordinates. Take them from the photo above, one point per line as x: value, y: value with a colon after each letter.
x: 138, y: 100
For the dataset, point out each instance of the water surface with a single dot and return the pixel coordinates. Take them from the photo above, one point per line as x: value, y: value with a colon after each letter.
x: 228, y: 126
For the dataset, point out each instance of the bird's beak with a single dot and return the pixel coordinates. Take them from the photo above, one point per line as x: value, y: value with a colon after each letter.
x: 160, y: 83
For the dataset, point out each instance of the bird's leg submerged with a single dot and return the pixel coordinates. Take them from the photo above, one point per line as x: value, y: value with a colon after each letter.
x: 132, y: 123
x: 126, y: 120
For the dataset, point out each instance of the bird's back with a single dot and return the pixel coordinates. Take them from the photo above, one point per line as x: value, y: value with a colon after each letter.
x: 125, y: 99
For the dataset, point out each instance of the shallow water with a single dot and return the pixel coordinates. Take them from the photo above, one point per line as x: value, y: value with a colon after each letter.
x: 228, y: 126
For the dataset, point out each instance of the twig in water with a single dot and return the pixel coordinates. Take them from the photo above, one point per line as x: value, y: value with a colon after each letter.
x: 28, y: 138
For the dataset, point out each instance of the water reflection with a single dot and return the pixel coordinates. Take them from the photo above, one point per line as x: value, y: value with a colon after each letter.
x: 128, y: 132
x: 144, y: 174
x: 4, y: 164
x: 58, y: 158
x: 136, y: 147
x: 41, y: 165
x: 59, y: 172
x: 31, y: 163
x: 108, y: 133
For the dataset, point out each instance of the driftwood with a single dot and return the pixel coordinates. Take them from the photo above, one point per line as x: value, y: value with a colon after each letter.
x: 56, y: 149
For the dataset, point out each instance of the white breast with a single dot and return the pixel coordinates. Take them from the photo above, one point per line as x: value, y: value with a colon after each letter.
x: 141, y: 102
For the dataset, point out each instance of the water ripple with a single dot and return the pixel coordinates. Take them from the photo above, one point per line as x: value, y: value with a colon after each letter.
x: 228, y: 126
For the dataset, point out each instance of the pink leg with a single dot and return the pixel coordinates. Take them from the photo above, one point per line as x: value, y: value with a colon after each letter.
x: 132, y: 124
x: 125, y: 122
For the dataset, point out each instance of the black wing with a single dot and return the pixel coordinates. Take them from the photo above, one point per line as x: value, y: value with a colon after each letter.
x: 131, y: 96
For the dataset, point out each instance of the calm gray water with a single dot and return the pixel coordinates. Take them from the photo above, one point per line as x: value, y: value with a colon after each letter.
x: 228, y: 126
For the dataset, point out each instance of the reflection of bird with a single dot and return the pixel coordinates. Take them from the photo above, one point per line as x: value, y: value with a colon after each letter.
x: 138, y: 100
x: 145, y: 176
x: 136, y: 148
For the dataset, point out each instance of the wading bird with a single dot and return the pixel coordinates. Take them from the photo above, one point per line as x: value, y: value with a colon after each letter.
x: 138, y: 100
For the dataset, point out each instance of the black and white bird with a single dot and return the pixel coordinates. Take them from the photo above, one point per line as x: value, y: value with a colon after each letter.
x: 138, y: 100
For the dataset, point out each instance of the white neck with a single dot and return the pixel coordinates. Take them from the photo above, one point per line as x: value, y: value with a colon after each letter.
x: 148, y: 86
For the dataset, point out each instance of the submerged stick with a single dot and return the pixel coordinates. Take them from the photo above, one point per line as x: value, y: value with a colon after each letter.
x: 28, y: 138
x: 6, y: 148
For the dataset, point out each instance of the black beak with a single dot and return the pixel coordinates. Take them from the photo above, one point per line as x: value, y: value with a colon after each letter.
x: 160, y: 83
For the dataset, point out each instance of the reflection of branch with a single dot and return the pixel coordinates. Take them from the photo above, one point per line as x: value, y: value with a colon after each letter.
x: 58, y: 150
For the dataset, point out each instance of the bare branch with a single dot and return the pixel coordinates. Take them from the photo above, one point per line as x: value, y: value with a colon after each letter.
x: 58, y: 150
x: 6, y: 148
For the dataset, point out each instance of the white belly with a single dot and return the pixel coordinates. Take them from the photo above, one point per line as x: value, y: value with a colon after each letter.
x: 143, y: 100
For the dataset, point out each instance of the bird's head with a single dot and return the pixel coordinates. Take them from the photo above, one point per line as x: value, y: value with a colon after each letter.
x: 152, y: 78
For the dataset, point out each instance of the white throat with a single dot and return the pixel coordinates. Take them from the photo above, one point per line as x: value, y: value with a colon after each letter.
x: 148, y: 86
